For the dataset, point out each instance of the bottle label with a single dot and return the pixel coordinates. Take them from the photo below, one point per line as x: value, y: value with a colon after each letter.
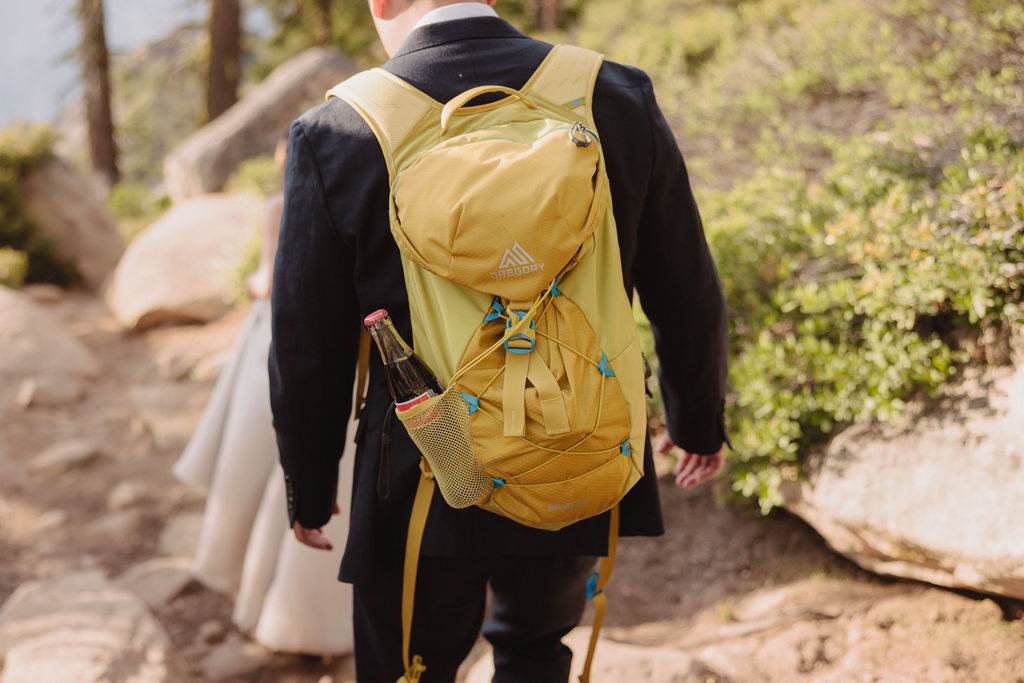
x: 405, y: 405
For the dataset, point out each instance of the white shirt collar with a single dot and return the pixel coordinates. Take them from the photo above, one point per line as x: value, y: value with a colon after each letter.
x: 459, y: 10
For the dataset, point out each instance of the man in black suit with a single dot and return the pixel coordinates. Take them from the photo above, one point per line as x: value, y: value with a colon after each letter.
x: 337, y: 262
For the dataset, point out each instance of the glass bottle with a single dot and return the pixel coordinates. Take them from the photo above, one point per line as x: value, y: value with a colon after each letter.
x: 409, y: 378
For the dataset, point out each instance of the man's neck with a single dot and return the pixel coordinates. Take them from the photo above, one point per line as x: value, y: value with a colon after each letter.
x: 396, y: 19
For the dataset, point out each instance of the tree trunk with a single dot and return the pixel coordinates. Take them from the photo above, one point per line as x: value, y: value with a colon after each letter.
x: 325, y: 27
x: 225, y: 57
x: 547, y: 15
x: 96, y: 73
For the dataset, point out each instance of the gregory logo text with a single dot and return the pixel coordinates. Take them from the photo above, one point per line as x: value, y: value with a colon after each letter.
x: 516, y: 261
x: 568, y: 507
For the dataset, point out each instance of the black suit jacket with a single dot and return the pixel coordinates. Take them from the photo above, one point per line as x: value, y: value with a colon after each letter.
x: 337, y: 261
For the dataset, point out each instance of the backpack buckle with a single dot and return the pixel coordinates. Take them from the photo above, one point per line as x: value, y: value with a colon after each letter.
x: 521, y: 342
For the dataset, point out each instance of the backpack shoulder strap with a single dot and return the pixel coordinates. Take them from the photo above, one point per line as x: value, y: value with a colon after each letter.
x: 389, y: 105
x: 566, y: 77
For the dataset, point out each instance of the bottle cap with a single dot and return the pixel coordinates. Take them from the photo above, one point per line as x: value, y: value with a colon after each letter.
x: 375, y: 317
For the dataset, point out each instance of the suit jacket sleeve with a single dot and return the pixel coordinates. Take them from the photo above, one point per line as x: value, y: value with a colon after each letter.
x: 681, y: 294
x: 315, y: 339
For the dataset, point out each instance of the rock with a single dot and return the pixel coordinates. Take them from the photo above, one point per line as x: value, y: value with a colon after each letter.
x: 126, y: 494
x: 234, y: 658
x: 26, y: 392
x: 198, y: 364
x: 82, y: 628
x: 170, y: 410
x: 180, y: 268
x: 934, y: 495
x: 64, y: 457
x: 157, y: 581
x: 205, y: 160
x: 181, y: 535
x: 50, y: 391
x: 118, y: 528
x: 613, y: 662
x: 43, y: 293
x: 197, y: 353
x: 210, y: 366
x: 66, y: 207
x: 211, y: 632
x: 36, y: 346
x: 49, y: 521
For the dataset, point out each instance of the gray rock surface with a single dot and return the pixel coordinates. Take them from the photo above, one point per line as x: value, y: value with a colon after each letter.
x: 170, y: 410
x: 233, y: 658
x: 935, y: 495
x: 613, y: 662
x: 82, y: 628
x: 66, y: 207
x: 50, y: 391
x: 157, y: 581
x: 251, y: 128
x: 117, y: 529
x: 35, y: 345
x: 181, y: 268
x: 127, y: 494
x: 64, y: 457
x: 210, y: 632
x: 43, y: 293
x: 180, y: 535
x: 50, y: 520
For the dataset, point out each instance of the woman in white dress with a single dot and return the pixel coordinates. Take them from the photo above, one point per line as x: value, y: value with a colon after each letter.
x: 287, y: 595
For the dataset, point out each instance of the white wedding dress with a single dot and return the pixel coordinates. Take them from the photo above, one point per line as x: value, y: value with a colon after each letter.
x: 287, y: 594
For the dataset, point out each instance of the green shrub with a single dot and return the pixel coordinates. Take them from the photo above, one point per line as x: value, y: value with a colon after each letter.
x: 248, y: 262
x: 135, y: 206
x: 860, y: 171
x: 261, y: 175
x: 22, y: 147
x: 13, y: 267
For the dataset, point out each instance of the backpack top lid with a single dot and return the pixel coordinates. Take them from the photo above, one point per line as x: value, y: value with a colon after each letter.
x: 500, y: 207
x: 496, y: 197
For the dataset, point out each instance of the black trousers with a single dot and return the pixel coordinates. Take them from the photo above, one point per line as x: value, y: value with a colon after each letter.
x: 535, y: 601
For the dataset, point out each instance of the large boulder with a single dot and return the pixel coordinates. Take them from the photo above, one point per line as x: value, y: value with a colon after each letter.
x: 205, y: 160
x: 180, y: 268
x: 36, y: 348
x: 935, y: 496
x: 82, y: 628
x: 65, y: 205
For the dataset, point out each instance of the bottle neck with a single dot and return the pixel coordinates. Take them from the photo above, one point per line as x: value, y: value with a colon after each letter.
x: 391, y: 345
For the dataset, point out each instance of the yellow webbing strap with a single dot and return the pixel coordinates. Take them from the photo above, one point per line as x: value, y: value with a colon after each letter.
x: 597, y: 594
x: 362, y: 372
x: 560, y: 77
x: 390, y: 106
x: 413, y: 541
x: 513, y: 393
x: 549, y: 394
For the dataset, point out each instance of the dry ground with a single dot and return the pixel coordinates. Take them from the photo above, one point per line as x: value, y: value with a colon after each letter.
x: 724, y: 596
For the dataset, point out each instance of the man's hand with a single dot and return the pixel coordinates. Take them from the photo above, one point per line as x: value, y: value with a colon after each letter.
x: 314, y: 538
x: 693, y: 468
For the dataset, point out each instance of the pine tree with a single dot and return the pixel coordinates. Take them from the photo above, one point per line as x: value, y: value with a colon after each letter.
x: 547, y: 15
x: 225, y: 56
x: 96, y: 74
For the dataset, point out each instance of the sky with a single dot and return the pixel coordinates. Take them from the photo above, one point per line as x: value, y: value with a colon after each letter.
x: 36, y: 80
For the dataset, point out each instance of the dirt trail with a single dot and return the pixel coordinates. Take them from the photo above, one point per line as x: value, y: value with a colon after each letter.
x: 724, y: 596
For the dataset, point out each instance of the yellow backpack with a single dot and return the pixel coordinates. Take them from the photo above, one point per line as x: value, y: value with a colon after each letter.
x: 503, y: 217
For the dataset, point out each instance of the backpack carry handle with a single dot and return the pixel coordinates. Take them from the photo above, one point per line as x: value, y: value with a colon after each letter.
x: 459, y: 101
